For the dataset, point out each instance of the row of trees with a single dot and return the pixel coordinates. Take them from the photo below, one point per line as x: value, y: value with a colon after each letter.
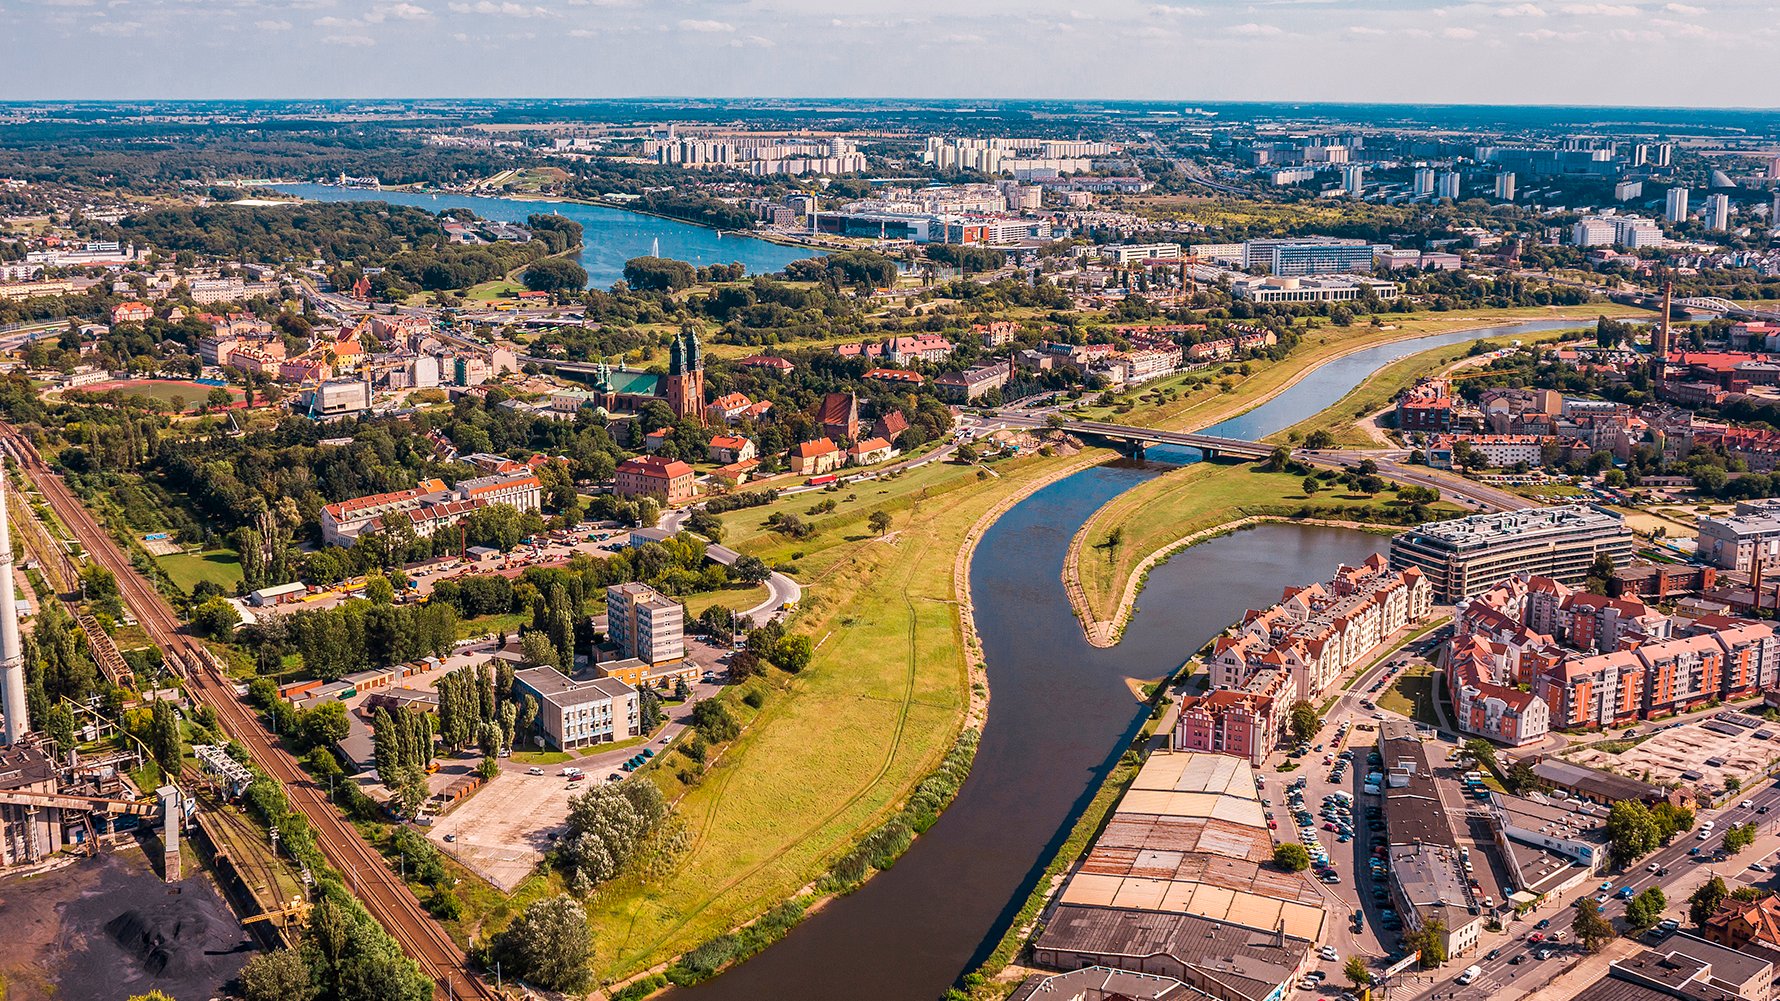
x: 358, y: 634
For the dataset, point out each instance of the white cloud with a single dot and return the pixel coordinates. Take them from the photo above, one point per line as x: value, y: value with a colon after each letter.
x: 1601, y: 10
x: 752, y: 42
x: 1682, y: 8
x: 706, y: 26
x: 1521, y: 10
x: 407, y: 12
x: 350, y: 41
x: 1153, y: 32
x: 116, y: 28
x: 273, y: 25
x: 508, y: 9
x: 958, y: 38
x: 1170, y: 10
x: 1252, y: 29
x: 1360, y: 29
x: 1459, y: 33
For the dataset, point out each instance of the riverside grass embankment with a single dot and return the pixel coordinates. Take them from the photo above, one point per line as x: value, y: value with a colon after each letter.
x: 895, y: 678
x: 1109, y: 558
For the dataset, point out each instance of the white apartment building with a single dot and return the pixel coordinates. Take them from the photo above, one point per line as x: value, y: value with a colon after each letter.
x: 1675, y: 206
x: 578, y: 713
x: 1718, y: 213
x: 1593, y: 231
x: 645, y: 624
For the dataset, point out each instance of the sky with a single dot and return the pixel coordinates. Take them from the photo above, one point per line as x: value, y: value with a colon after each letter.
x: 1670, y: 53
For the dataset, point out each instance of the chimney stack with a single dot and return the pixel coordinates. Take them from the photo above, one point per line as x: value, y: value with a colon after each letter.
x: 12, y: 661
x: 1659, y: 347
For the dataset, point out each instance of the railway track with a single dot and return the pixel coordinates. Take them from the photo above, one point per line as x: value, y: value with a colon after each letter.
x: 367, y: 874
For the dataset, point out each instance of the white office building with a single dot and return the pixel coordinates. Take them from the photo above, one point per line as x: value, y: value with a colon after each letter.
x: 1424, y: 181
x: 1447, y: 185
x: 1592, y: 231
x: 1505, y: 186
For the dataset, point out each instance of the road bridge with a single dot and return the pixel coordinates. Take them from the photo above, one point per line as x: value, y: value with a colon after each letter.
x: 1136, y: 439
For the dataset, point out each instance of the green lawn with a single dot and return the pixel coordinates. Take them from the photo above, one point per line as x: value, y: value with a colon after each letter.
x: 737, y: 597
x: 1411, y: 695
x: 1167, y: 403
x: 834, y: 749
x: 1181, y: 502
x: 1383, y: 386
x: 220, y: 566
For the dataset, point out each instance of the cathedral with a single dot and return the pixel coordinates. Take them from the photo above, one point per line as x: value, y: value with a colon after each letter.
x: 626, y: 391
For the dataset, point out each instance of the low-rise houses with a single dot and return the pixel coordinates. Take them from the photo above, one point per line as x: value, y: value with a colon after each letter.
x: 869, y: 451
x: 669, y: 481
x: 813, y: 458
x: 1228, y: 722
x: 728, y: 448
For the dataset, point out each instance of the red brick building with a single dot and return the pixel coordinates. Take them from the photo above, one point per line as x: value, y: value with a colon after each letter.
x: 1228, y: 722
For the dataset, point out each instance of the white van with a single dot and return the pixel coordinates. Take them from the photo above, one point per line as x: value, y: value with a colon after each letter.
x: 1471, y: 973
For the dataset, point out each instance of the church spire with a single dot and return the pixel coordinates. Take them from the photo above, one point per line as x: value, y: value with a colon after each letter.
x: 676, y: 356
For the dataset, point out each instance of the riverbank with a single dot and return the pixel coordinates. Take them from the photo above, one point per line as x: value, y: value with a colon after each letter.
x: 1193, y: 410
x: 1341, y: 418
x: 1111, y: 556
x: 1140, y: 529
x: 837, y: 749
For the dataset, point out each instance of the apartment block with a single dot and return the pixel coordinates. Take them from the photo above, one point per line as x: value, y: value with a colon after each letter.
x: 1465, y: 556
x: 643, y: 623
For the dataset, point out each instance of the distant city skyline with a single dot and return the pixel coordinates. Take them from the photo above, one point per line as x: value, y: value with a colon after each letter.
x: 1667, y: 53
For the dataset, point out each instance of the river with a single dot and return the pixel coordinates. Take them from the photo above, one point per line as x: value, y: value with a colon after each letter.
x: 610, y: 236
x: 1060, y: 714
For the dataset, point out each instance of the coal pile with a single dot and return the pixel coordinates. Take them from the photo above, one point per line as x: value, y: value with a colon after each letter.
x: 170, y: 944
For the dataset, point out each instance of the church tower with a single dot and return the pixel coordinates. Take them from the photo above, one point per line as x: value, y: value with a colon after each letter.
x: 685, y: 387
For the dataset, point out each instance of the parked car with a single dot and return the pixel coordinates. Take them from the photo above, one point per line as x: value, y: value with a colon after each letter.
x: 534, y: 770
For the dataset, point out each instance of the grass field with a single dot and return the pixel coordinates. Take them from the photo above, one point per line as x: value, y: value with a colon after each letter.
x: 834, y: 749
x: 1158, y: 512
x: 737, y: 597
x: 175, y: 394
x: 220, y: 566
x: 1411, y: 695
x: 1340, y: 420
x: 1169, y: 403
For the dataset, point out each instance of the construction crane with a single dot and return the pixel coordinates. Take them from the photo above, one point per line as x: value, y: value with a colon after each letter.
x: 298, y: 909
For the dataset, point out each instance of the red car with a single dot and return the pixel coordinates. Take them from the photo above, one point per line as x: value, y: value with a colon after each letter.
x: 1536, y: 938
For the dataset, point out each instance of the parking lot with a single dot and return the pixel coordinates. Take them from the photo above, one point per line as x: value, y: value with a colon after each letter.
x: 503, y: 829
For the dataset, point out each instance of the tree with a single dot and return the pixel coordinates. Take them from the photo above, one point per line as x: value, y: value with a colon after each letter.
x: 794, y: 653
x: 1631, y: 831
x: 1303, y: 721
x: 1671, y: 820
x: 1310, y: 485
x: 1598, y: 573
x: 276, y: 976
x: 164, y: 739
x: 1430, y: 941
x: 879, y: 522
x: 1481, y: 751
x: 1706, y: 900
x: 549, y: 945
x: 215, y: 618
x: 538, y: 651
x: 1291, y: 856
x: 1646, y: 908
x: 1357, y: 972
x: 1277, y: 459
x: 378, y: 589
x: 1738, y: 837
x: 554, y: 274
x: 658, y: 274
x: 1591, y: 927
x: 1522, y: 779
x: 326, y: 724
x: 750, y: 570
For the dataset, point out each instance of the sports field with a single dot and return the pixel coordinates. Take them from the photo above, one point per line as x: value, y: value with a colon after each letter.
x: 174, y: 393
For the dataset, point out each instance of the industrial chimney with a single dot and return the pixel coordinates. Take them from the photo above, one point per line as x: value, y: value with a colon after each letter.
x: 1659, y: 344
x: 12, y: 660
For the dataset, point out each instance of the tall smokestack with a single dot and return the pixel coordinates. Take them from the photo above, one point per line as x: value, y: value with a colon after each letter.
x: 1659, y: 345
x: 12, y: 660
